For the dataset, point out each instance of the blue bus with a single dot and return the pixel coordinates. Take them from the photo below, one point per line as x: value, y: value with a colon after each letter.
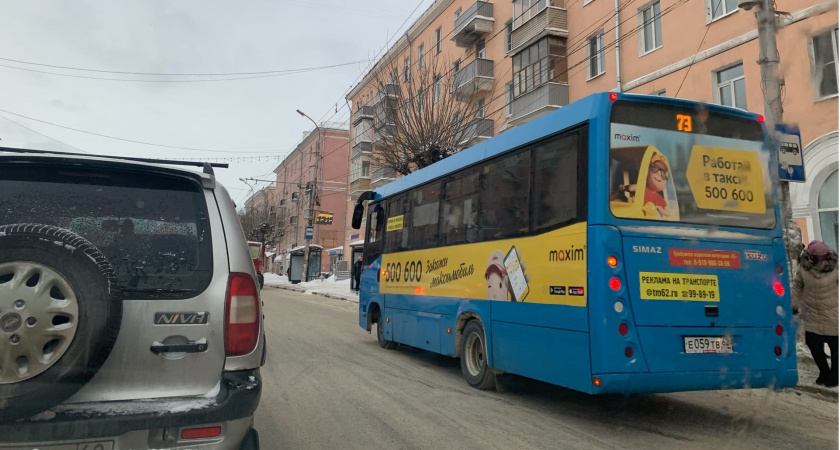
x: 621, y: 244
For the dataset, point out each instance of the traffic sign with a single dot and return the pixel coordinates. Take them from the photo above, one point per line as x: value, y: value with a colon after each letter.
x: 791, y: 162
x: 310, y: 230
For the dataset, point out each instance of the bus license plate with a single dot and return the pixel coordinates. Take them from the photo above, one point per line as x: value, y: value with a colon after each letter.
x: 699, y: 344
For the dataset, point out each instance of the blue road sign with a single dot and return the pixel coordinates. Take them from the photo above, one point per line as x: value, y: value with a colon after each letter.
x: 791, y: 162
x: 310, y: 230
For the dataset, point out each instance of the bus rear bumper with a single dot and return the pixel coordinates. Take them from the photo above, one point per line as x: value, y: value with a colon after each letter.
x: 650, y: 383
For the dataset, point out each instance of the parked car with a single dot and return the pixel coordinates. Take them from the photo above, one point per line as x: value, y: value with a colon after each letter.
x: 130, y: 314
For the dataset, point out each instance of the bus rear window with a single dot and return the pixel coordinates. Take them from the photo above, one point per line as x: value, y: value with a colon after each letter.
x: 676, y: 164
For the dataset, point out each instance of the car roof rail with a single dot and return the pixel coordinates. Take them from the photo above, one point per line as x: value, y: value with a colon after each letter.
x: 207, y: 166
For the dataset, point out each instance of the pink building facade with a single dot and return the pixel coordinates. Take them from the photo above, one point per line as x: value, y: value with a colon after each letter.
x: 297, y: 187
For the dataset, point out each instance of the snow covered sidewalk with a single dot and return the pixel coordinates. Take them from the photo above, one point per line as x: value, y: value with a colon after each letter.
x: 328, y: 288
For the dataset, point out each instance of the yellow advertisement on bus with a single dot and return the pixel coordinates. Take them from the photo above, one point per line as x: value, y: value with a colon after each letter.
x: 547, y: 268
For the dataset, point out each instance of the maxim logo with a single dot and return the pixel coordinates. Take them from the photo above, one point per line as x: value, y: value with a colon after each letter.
x: 626, y: 137
x: 189, y: 318
x: 571, y: 254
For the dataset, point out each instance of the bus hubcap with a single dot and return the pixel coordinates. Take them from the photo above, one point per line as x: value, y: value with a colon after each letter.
x: 474, y: 354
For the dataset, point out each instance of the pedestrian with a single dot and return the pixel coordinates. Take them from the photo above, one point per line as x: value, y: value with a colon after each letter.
x: 815, y: 295
x: 357, y: 272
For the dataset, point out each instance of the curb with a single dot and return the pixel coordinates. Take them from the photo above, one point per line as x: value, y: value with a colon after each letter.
x: 292, y: 287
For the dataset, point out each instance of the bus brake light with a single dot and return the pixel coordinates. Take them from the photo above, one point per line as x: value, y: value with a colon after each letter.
x: 779, y: 330
x: 613, y: 96
x: 615, y: 283
x: 778, y: 351
x: 779, y: 289
x: 623, y: 329
x: 760, y: 118
x: 628, y: 352
x: 612, y: 261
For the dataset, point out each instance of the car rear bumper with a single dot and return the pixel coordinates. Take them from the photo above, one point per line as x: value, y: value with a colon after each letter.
x: 158, y: 420
x: 629, y: 383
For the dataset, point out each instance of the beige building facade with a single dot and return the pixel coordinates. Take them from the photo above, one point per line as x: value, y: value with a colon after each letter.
x: 546, y: 53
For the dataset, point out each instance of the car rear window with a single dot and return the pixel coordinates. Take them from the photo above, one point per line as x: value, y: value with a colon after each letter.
x: 153, y: 228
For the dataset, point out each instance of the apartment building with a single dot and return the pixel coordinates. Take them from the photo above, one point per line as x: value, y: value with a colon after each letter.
x: 296, y: 185
x: 543, y: 54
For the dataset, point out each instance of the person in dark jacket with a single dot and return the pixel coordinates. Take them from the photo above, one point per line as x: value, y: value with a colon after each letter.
x: 357, y: 273
x: 815, y: 292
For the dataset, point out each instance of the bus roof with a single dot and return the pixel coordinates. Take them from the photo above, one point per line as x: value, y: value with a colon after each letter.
x: 568, y: 116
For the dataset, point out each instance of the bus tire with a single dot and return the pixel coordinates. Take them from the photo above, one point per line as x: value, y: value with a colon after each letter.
x: 384, y: 343
x: 474, y: 357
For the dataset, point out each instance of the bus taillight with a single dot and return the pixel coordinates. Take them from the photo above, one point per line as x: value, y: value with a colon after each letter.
x: 612, y: 261
x: 779, y: 289
x: 760, y: 118
x: 613, y: 96
x: 778, y: 351
x: 779, y: 269
x: 779, y: 330
x: 628, y: 352
x: 615, y: 283
x: 623, y: 329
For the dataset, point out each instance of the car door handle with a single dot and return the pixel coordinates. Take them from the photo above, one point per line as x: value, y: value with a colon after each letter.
x: 198, y: 346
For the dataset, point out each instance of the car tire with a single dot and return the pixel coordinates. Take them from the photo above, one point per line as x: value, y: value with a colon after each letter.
x: 474, y: 357
x: 58, y: 288
x: 384, y: 343
x: 251, y: 441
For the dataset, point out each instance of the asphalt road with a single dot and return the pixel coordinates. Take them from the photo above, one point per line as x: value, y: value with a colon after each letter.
x: 328, y: 385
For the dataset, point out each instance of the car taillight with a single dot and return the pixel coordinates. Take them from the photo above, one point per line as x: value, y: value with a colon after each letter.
x: 242, y: 319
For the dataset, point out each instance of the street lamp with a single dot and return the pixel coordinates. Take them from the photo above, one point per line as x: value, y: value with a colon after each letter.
x: 309, y: 219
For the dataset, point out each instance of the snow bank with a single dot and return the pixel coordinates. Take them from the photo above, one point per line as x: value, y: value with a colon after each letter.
x: 272, y: 279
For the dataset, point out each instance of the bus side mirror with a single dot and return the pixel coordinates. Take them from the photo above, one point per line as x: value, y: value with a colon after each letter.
x: 358, y: 215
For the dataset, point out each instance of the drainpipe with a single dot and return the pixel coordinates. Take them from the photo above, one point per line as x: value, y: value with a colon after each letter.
x: 617, y: 52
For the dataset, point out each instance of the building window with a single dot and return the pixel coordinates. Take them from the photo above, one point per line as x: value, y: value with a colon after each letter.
x: 407, y: 68
x: 480, y: 51
x: 420, y: 56
x: 660, y: 93
x: 456, y: 120
x: 420, y: 100
x: 458, y: 13
x: 651, y: 36
x: 731, y: 87
x: 293, y: 220
x: 828, y: 211
x: 456, y: 66
x: 595, y: 54
x: 437, y: 40
x: 508, y: 98
x: 719, y: 8
x: 437, y: 89
x: 479, y: 108
x: 524, y: 10
x: 540, y: 63
x: 295, y: 196
x: 824, y: 57
x: 366, y: 169
x: 508, y: 31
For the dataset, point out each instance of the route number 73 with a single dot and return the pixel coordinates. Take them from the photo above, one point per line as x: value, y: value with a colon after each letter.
x: 684, y: 123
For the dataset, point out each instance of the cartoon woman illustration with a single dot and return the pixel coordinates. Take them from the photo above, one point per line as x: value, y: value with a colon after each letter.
x: 496, y: 275
x: 657, y: 174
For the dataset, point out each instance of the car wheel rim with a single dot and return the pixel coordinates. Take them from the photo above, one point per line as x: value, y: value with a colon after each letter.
x: 474, y: 354
x: 39, y: 316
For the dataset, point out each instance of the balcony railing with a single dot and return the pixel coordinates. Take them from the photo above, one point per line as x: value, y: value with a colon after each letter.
x: 382, y: 176
x: 476, y: 77
x: 550, y: 21
x: 476, y: 131
x: 360, y: 185
x: 541, y: 100
x: 364, y: 112
x: 389, y: 90
x: 472, y: 23
x: 362, y: 148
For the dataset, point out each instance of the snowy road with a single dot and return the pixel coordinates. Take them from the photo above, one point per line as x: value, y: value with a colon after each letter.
x: 327, y: 384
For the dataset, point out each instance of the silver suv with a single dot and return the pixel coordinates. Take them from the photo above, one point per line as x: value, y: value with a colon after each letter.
x: 130, y: 314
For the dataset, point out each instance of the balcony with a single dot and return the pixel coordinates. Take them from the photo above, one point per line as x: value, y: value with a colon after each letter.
x: 475, y: 78
x: 358, y: 186
x: 363, y: 147
x: 551, y: 21
x: 541, y: 100
x: 476, y: 131
x: 382, y: 176
x: 472, y: 23
x: 387, y: 91
x: 364, y: 112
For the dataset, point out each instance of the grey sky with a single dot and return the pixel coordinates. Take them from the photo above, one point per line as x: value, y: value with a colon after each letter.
x: 188, y: 36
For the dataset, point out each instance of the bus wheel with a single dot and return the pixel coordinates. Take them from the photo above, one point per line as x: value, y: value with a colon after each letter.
x: 384, y: 343
x: 474, y: 357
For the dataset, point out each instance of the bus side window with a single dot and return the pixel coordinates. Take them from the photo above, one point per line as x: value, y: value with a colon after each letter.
x: 399, y: 212
x: 425, y: 203
x: 507, y: 182
x: 556, y: 186
x: 460, y: 208
x: 376, y: 233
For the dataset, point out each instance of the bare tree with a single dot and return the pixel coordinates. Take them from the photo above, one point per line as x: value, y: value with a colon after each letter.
x: 422, y: 120
x: 261, y: 224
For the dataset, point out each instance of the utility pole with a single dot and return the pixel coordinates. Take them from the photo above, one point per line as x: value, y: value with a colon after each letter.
x: 310, y: 220
x: 771, y: 86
